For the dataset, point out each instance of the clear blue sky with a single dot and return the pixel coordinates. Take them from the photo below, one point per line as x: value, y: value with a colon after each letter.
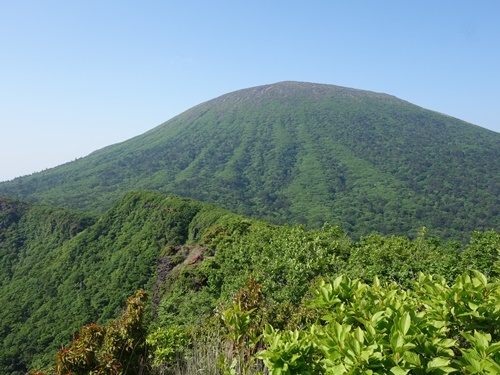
x: 76, y: 76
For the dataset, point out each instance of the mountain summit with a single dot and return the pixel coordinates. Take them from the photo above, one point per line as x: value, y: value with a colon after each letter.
x: 299, y: 152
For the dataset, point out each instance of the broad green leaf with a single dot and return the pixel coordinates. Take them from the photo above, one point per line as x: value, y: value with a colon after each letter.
x: 482, y: 340
x: 356, y: 347
x: 396, y: 370
x: 473, y: 306
x: 447, y: 369
x: 337, y: 282
x: 328, y: 318
x: 397, y: 342
x: 377, y: 316
x: 438, y: 323
x: 359, y: 335
x: 493, y: 348
x: 412, y: 358
x: 479, y: 276
x: 336, y: 370
x: 438, y: 363
x: 404, y: 323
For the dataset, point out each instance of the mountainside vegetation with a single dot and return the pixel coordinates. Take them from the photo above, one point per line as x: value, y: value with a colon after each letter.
x: 230, y: 294
x: 61, y: 272
x: 300, y: 153
x: 291, y: 228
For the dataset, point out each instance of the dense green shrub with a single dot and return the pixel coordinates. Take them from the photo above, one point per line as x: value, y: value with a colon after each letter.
x: 433, y: 328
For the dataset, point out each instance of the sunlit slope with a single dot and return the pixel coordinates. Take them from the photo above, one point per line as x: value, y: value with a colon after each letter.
x: 300, y: 152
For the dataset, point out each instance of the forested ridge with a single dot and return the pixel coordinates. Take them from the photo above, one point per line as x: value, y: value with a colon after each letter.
x: 215, y: 292
x: 300, y: 153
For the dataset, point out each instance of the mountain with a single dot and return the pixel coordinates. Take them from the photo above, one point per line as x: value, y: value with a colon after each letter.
x: 294, y: 152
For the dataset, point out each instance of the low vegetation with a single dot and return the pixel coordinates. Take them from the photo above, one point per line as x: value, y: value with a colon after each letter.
x: 219, y: 293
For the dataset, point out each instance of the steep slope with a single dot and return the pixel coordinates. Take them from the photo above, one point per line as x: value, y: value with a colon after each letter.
x: 300, y: 153
x: 60, y: 270
x: 29, y: 235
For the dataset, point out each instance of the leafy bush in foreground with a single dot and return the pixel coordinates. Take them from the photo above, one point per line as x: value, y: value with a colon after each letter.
x: 433, y: 328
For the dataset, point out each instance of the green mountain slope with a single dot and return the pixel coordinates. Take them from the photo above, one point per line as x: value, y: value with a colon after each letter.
x: 29, y: 235
x: 300, y: 153
x: 60, y: 270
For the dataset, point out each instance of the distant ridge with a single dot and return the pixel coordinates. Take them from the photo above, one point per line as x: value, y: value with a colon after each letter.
x: 296, y: 152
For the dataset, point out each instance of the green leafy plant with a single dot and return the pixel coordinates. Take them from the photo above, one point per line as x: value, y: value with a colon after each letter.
x: 166, y: 343
x: 380, y: 328
x: 243, y: 321
x: 290, y: 352
x: 483, y: 356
